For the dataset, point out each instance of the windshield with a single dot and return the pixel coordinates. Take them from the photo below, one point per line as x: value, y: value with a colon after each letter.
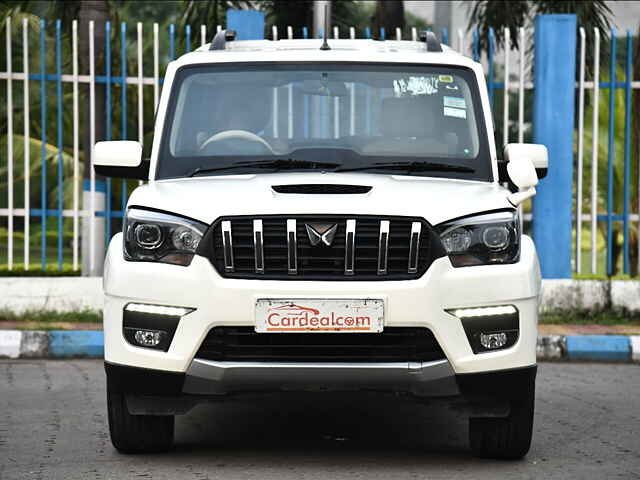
x: 410, y: 120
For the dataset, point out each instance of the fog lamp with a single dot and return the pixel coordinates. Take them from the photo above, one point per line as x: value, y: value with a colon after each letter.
x: 151, y: 326
x: 149, y: 338
x: 489, y: 328
x: 491, y: 341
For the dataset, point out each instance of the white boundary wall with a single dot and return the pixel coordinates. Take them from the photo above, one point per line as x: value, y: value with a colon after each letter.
x: 61, y: 294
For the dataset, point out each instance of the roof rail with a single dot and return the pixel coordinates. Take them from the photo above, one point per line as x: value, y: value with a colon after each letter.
x: 219, y: 42
x: 433, y: 45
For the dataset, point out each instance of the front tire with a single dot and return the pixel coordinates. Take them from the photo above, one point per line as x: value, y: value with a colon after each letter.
x: 504, y: 438
x: 137, y: 433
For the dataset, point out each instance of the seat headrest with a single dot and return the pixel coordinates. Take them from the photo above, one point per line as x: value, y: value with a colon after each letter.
x: 408, y: 117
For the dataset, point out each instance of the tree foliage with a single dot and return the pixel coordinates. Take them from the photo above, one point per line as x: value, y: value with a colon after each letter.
x: 514, y: 14
x: 209, y: 12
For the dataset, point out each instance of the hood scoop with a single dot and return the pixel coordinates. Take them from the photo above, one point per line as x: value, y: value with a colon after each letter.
x: 322, y: 189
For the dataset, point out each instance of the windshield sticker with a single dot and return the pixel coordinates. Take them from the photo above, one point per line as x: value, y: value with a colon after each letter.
x: 454, y: 102
x: 454, y: 112
x: 445, y: 78
x: 415, y: 86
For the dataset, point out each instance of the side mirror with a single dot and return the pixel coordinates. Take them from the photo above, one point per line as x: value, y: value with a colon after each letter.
x: 120, y: 159
x: 523, y: 174
x: 537, y: 154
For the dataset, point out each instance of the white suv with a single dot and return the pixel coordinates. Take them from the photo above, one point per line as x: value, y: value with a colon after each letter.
x: 322, y: 219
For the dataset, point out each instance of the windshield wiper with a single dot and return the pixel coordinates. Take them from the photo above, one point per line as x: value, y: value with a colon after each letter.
x: 279, y: 164
x: 410, y: 167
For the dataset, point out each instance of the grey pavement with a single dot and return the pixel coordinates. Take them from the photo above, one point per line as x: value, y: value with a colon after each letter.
x: 53, y: 426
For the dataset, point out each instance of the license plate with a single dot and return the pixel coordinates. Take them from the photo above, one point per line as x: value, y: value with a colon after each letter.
x: 322, y: 316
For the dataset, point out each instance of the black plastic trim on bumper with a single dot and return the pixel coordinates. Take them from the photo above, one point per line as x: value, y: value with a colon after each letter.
x: 501, y: 384
x: 143, y: 381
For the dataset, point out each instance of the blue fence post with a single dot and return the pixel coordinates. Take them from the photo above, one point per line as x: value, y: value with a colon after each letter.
x: 172, y: 37
x: 43, y: 150
x: 476, y: 45
x: 490, y: 51
x: 627, y: 146
x: 611, y: 151
x: 553, y: 119
x: 445, y: 36
x: 123, y: 100
x: 107, y: 129
x: 248, y: 24
x: 59, y: 122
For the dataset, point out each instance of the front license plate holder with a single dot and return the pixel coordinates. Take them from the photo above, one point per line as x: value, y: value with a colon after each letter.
x: 319, y: 315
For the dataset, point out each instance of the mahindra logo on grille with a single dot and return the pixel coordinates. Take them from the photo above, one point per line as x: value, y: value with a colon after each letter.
x: 321, y: 233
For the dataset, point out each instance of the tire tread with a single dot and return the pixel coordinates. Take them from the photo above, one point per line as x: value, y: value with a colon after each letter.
x: 137, y: 433
x: 504, y: 438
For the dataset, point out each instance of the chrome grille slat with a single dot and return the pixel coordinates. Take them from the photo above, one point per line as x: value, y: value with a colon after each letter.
x: 258, y: 246
x: 414, y: 243
x: 383, y: 247
x: 227, y: 242
x: 350, y: 248
x: 292, y: 247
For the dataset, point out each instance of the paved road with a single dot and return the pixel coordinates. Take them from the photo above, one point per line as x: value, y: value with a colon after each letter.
x: 53, y: 426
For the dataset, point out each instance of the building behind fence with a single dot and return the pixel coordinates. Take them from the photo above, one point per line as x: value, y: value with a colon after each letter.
x: 49, y: 94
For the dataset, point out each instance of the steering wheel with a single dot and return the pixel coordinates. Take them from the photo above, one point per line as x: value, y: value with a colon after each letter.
x: 242, y: 135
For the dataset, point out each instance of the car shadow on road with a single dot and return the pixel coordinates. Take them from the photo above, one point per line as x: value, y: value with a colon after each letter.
x: 323, y: 424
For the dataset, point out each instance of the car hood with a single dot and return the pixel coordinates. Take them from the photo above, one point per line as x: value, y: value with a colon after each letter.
x: 207, y: 198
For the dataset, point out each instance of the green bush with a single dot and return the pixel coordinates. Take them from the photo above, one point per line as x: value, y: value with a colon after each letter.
x: 607, y: 317
x: 50, y: 271
x: 45, y: 316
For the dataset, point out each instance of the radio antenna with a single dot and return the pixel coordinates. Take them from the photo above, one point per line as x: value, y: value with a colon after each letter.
x: 325, y: 33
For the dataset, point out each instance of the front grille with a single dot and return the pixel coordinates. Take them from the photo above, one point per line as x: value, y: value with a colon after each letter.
x: 395, y: 344
x: 359, y: 247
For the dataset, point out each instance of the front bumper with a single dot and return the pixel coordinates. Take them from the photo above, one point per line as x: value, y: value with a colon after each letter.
x: 423, y: 302
x: 155, y: 392
x: 205, y: 377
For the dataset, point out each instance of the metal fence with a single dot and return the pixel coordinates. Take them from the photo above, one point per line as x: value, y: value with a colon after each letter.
x: 509, y: 83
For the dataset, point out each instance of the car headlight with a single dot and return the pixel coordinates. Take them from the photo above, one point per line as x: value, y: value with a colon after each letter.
x: 482, y: 240
x: 160, y: 237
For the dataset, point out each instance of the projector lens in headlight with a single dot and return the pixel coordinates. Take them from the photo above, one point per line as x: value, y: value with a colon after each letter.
x: 482, y: 240
x: 148, y: 235
x: 496, y: 238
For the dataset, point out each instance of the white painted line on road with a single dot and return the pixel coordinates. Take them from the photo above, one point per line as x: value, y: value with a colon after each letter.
x: 635, y: 347
x: 10, y: 343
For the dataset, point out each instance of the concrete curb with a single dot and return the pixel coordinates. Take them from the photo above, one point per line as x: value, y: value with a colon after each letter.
x: 90, y: 344
x: 592, y: 348
x: 51, y: 344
